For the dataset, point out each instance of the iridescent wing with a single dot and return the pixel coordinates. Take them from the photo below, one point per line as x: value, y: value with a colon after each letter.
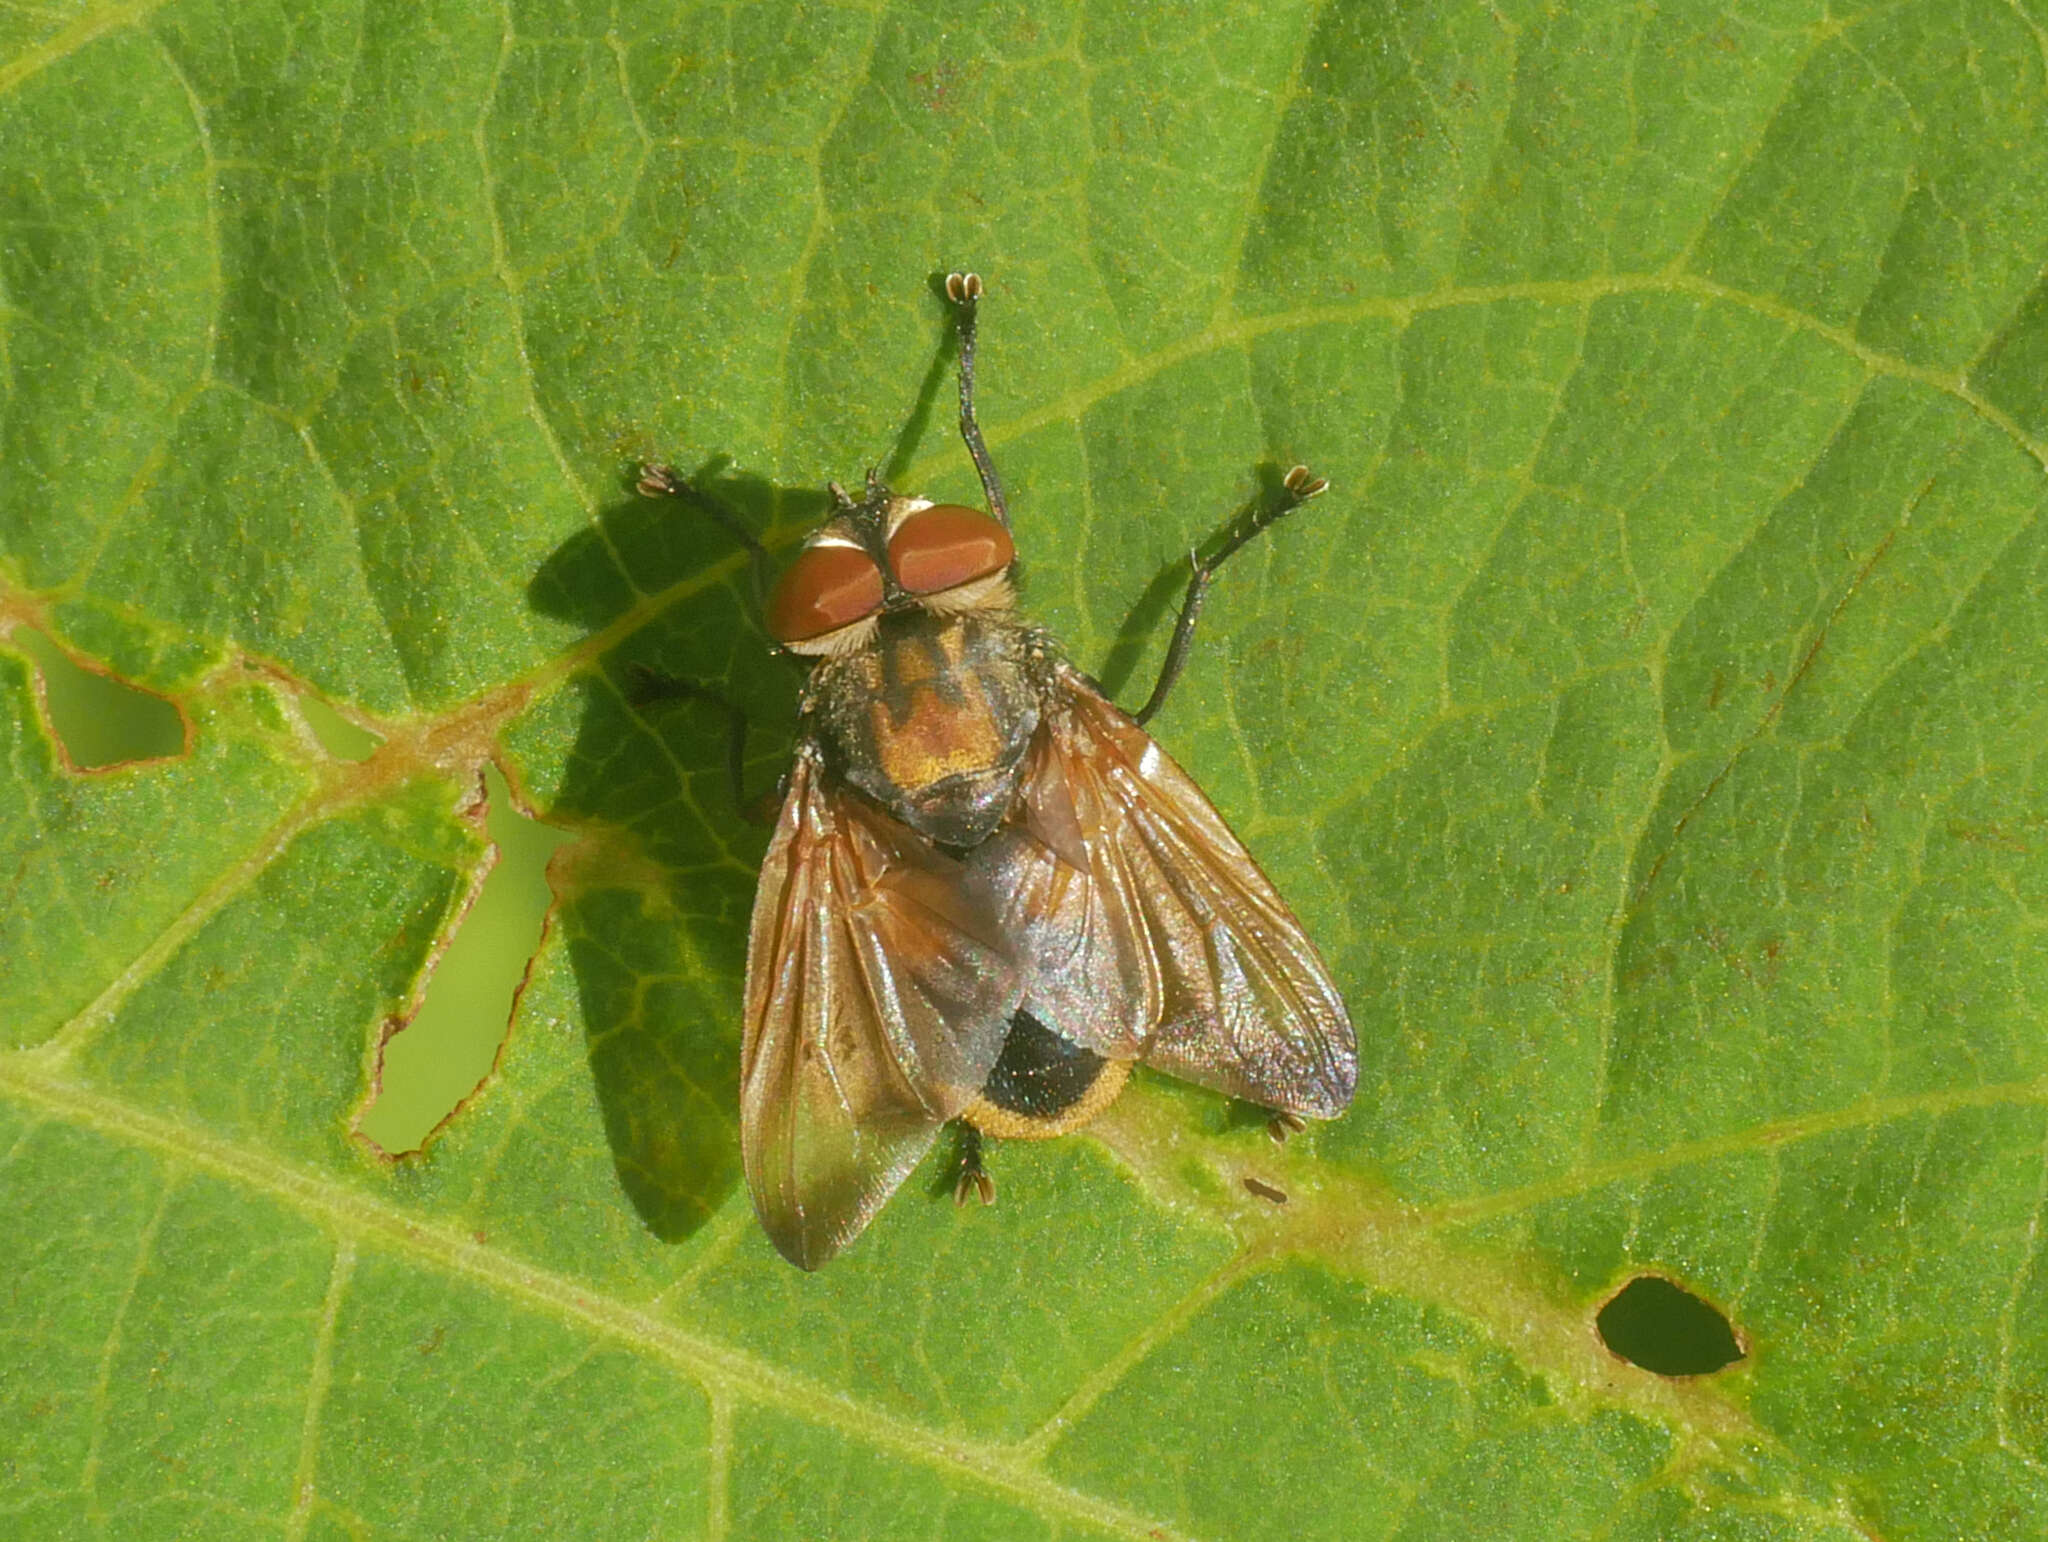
x: 878, y: 994
x: 1144, y: 928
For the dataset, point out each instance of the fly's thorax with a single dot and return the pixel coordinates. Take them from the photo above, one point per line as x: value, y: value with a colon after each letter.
x: 931, y: 719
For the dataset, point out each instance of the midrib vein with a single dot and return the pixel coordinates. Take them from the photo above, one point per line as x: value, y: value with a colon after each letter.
x: 357, y: 1218
x: 736, y: 1377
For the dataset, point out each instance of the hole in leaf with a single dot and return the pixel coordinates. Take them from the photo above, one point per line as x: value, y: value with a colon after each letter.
x: 338, y: 736
x: 1666, y: 1329
x: 441, y: 1056
x: 101, y: 721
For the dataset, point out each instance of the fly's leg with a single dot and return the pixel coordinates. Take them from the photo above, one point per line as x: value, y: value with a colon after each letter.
x: 1280, y: 1124
x: 650, y: 689
x: 964, y: 290
x: 974, y: 1178
x: 658, y: 481
x: 1296, y: 488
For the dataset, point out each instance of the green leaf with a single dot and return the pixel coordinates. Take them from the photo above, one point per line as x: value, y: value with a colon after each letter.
x: 1647, y: 724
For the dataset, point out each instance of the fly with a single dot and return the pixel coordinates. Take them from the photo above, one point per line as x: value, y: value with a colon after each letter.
x: 989, y: 892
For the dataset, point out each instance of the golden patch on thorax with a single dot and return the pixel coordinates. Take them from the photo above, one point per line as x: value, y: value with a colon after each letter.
x: 929, y: 714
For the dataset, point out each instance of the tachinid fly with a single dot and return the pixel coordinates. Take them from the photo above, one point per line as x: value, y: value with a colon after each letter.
x: 989, y: 891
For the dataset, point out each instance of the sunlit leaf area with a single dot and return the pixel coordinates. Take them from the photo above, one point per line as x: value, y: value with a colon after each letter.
x: 1648, y: 725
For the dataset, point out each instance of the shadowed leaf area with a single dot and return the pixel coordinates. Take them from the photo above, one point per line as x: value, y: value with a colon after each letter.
x: 1647, y: 724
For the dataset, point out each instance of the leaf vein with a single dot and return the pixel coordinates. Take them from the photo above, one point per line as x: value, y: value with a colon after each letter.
x: 110, y: 1349
x: 725, y: 1371
x: 1865, y: 1114
x: 305, y: 1489
x: 1120, y: 1363
x: 2001, y: 1376
x: 86, y: 30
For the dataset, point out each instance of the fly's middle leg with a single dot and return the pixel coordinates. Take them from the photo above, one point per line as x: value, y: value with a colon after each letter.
x: 650, y: 688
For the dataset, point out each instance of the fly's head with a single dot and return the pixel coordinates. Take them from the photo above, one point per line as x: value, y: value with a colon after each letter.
x: 921, y: 697
x: 888, y: 555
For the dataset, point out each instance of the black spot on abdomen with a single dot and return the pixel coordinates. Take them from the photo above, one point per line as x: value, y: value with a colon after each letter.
x: 1039, y: 1074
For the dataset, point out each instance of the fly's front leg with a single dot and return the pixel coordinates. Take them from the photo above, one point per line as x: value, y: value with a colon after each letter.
x: 658, y: 481
x: 1296, y: 488
x: 650, y: 689
x: 964, y: 290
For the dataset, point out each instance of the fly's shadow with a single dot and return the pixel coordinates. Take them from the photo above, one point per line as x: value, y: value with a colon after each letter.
x: 656, y: 920
x: 655, y: 913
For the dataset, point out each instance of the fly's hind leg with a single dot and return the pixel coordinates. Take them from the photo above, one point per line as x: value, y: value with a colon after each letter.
x: 650, y: 688
x: 1280, y: 1124
x: 974, y: 1178
x: 1296, y: 488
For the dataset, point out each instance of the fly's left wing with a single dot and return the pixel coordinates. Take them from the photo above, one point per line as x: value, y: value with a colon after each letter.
x: 1144, y: 928
x: 879, y: 990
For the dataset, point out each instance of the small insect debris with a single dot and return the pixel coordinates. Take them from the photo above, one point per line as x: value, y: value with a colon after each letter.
x: 1264, y: 1190
x: 989, y: 892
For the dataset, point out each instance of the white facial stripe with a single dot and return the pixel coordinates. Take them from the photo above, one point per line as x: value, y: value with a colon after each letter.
x: 902, y: 509
x: 840, y: 640
x: 989, y: 592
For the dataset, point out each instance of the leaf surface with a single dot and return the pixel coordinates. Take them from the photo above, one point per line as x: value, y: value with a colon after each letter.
x: 1647, y: 725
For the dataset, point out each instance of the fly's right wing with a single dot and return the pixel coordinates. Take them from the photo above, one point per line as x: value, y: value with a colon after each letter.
x: 879, y: 991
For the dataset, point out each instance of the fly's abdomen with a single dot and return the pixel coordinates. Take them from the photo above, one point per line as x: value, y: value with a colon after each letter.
x: 1044, y: 1084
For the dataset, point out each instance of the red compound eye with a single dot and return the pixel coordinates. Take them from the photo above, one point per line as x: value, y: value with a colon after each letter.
x: 947, y: 545
x: 827, y: 587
